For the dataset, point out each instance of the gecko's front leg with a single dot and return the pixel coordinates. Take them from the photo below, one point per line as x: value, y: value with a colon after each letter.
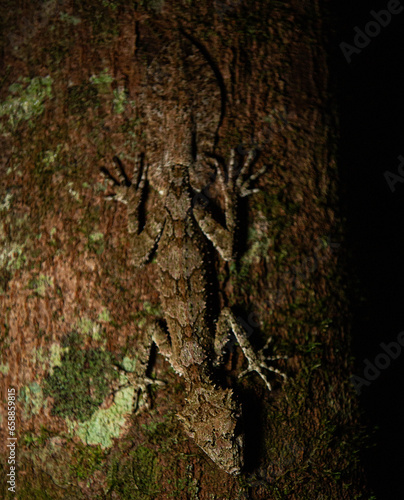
x: 257, y: 362
x: 135, y: 373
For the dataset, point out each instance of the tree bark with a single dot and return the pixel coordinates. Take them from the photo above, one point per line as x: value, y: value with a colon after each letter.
x: 166, y: 80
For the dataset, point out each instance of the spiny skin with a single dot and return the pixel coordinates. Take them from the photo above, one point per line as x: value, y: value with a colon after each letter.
x: 210, y: 416
x: 180, y: 230
x: 211, y: 413
x: 181, y: 266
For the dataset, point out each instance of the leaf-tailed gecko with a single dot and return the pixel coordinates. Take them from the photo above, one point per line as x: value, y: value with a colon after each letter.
x: 191, y: 342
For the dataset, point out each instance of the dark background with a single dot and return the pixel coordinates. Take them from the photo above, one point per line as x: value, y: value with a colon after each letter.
x: 370, y: 93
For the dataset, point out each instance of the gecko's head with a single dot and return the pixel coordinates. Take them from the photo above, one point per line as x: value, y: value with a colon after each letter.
x: 210, y: 419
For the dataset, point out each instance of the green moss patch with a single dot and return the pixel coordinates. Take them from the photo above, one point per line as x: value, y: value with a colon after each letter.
x: 135, y: 478
x: 86, y: 460
x: 25, y: 102
x: 80, y: 384
x: 106, y: 424
x: 32, y: 398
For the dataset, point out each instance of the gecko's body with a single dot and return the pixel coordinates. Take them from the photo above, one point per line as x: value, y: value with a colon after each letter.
x: 211, y: 413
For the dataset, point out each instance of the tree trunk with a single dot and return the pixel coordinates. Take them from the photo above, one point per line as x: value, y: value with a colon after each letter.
x: 83, y: 82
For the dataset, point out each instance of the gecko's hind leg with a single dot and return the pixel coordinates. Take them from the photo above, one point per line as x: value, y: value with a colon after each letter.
x: 130, y: 193
x: 237, y: 176
x: 234, y: 181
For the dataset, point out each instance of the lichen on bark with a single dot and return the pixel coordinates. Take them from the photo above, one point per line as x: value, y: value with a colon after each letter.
x: 84, y: 82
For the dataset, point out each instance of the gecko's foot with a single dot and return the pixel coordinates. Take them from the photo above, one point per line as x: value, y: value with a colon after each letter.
x: 257, y: 362
x: 237, y: 177
x: 125, y: 190
x: 141, y: 384
x: 260, y: 365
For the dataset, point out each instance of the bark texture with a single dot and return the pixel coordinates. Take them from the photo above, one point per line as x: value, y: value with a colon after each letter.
x: 82, y: 82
